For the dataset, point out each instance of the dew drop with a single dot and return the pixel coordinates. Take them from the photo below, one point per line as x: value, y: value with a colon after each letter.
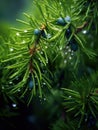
x: 10, y: 82
x: 69, y: 50
x: 11, y: 49
x: 18, y: 90
x: 60, y: 48
x: 70, y: 58
x: 84, y: 31
x: 66, y: 53
x: 72, y: 53
x: 18, y: 34
x: 67, y: 47
x: 46, y: 47
x: 65, y: 61
x: 2, y: 87
x: 41, y: 52
x: 39, y: 59
x: 23, y: 41
x: 44, y: 83
x: 14, y: 105
x: 40, y: 97
x: 85, y: 119
x: 44, y: 99
x: 25, y: 31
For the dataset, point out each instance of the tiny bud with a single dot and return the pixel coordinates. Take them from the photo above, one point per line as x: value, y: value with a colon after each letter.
x: 67, y: 19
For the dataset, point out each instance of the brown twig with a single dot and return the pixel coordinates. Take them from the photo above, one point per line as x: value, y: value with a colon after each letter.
x: 80, y: 28
x: 33, y: 49
x: 31, y: 66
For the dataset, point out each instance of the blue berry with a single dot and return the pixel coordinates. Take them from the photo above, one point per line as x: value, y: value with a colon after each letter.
x: 43, y: 34
x: 67, y: 19
x: 73, y: 44
x: 31, y: 84
x: 37, y: 32
x: 61, y: 21
x: 91, y: 121
x: 68, y: 33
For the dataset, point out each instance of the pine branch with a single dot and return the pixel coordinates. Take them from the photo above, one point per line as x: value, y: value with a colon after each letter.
x: 80, y: 100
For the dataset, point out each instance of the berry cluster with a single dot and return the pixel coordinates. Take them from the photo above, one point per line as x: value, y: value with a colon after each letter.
x: 90, y: 120
x: 63, y: 21
x: 72, y: 43
x: 41, y: 32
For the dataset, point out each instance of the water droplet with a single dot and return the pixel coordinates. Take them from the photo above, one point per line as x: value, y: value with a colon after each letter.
x: 67, y: 47
x: 40, y: 101
x: 41, y: 52
x: 11, y: 49
x: 10, y: 82
x: 44, y: 99
x: 18, y: 34
x: 60, y: 48
x: 84, y: 31
x: 66, y: 53
x: 18, y: 90
x: 14, y: 105
x: 23, y: 41
x: 70, y: 58
x: 40, y: 97
x: 65, y: 61
x: 69, y: 50
x: 72, y: 53
x: 44, y: 83
x: 46, y: 47
x: 2, y: 87
x: 85, y: 119
x: 25, y: 31
x: 39, y: 59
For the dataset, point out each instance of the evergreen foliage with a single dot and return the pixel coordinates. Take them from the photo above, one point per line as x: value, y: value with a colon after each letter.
x: 53, y: 57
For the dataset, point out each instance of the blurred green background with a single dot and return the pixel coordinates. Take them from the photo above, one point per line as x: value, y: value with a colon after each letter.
x: 12, y: 9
